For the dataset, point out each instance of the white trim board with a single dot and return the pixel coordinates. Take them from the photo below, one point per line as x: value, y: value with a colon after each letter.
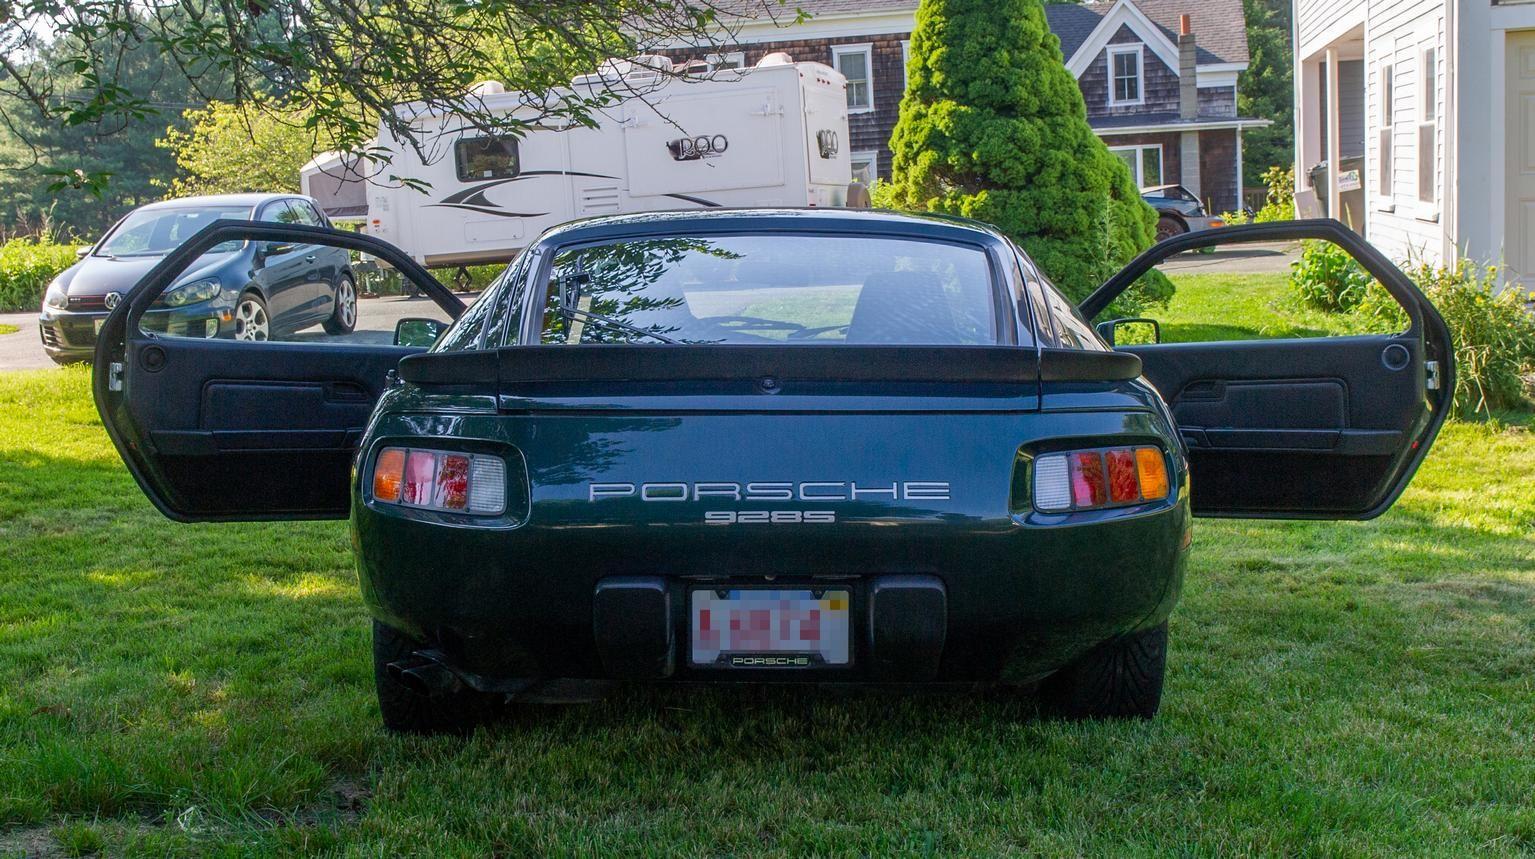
x: 1208, y: 125
x: 1123, y: 14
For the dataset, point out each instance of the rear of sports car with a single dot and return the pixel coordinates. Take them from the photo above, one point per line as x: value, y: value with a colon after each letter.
x: 861, y: 511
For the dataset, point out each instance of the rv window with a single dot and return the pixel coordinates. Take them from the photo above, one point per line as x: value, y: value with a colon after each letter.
x: 481, y: 158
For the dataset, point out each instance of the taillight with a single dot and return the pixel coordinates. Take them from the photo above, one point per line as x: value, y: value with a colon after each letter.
x: 440, y: 480
x: 1092, y: 479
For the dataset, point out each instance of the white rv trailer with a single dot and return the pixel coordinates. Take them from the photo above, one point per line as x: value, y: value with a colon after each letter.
x: 772, y: 135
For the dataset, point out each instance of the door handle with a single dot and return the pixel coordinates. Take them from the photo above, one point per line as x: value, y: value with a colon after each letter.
x: 309, y: 258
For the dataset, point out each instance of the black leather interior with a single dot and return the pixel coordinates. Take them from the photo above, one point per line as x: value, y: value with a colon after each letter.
x: 233, y: 422
x: 902, y: 307
x: 1276, y: 425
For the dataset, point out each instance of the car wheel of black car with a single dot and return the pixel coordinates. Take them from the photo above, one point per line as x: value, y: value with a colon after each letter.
x: 251, y: 320
x: 1121, y: 679
x: 1167, y: 227
x: 407, y: 710
x: 343, y: 319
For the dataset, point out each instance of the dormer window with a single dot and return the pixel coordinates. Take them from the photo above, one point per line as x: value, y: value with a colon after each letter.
x: 1125, y: 71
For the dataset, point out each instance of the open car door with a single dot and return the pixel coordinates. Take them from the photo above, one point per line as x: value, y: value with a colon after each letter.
x: 1288, y: 411
x: 225, y: 408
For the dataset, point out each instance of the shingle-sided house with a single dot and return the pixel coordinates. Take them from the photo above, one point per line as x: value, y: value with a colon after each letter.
x: 1164, y: 100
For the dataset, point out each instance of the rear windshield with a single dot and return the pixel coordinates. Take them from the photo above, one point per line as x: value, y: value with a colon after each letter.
x: 776, y: 289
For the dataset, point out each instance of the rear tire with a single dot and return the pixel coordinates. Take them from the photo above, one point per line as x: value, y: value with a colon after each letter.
x: 343, y: 317
x: 1167, y: 227
x: 407, y: 711
x: 1121, y: 679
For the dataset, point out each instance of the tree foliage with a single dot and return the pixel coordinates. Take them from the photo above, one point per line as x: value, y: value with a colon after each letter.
x: 1266, y: 88
x: 44, y: 159
x: 342, y: 64
x: 226, y: 150
x: 993, y: 127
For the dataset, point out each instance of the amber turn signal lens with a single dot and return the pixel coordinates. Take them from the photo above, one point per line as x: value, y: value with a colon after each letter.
x: 1153, y: 472
x: 387, y: 473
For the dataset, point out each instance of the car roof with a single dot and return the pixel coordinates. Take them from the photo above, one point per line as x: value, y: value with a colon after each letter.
x: 220, y: 200
x: 721, y: 220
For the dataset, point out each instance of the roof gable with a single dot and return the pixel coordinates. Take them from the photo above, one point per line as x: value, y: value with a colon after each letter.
x: 1219, y: 25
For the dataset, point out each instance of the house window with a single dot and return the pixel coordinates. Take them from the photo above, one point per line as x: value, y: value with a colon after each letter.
x: 1125, y: 84
x: 1387, y: 136
x: 855, y: 64
x: 479, y: 158
x: 865, y: 167
x: 1145, y: 163
x: 1428, y: 128
x: 731, y: 60
x: 1387, y: 94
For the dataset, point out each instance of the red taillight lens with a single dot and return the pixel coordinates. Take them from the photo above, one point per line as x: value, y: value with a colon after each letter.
x: 440, y: 480
x: 1087, y: 488
x: 1124, y: 485
x: 420, y: 469
x: 1090, y: 479
x: 452, y: 483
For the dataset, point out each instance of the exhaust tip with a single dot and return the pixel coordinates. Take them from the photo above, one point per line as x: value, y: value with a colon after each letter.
x: 423, y: 677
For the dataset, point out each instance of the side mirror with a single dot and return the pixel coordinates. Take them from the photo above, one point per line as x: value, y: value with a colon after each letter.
x: 1138, y: 331
x: 266, y: 250
x: 418, y: 332
x: 83, y: 251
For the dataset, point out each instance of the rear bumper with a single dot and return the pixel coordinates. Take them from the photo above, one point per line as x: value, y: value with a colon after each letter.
x: 1012, y: 605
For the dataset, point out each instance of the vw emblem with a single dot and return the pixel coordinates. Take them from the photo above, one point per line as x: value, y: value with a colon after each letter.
x: 112, y: 299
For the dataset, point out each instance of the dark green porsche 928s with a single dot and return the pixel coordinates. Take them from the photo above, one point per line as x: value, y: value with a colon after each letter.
x: 775, y: 446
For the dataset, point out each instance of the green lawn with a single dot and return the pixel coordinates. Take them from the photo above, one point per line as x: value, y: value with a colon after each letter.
x: 1239, y: 307
x: 193, y: 690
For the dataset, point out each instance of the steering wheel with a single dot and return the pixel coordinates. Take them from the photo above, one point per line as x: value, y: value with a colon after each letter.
x: 811, y: 333
x: 753, y: 323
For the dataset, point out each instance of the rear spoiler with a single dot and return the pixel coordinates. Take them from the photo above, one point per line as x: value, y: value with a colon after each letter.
x: 511, y: 366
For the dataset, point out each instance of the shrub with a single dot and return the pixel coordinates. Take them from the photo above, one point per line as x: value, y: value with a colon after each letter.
x: 1326, y: 278
x: 1493, y: 333
x: 26, y: 268
x: 1280, y: 203
x: 993, y: 127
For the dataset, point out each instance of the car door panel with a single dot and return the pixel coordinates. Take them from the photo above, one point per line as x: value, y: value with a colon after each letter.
x: 218, y: 429
x: 1325, y: 427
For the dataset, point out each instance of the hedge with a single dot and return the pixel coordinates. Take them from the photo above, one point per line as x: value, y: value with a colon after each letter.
x: 26, y: 268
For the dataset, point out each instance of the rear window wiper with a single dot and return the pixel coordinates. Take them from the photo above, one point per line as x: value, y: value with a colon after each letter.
x: 570, y: 301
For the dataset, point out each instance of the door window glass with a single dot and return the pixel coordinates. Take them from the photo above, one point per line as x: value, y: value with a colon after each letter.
x: 1259, y: 291
x: 278, y: 291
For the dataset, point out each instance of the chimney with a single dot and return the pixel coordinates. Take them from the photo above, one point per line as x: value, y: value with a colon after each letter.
x: 1188, y: 75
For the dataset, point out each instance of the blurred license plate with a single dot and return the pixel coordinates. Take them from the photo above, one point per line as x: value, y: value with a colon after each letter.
x: 751, y: 628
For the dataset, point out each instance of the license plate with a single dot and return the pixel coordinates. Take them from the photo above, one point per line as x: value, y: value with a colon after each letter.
x: 98, y: 322
x: 758, y: 628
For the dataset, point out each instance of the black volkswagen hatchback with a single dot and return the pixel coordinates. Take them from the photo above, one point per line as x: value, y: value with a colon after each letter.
x: 236, y: 290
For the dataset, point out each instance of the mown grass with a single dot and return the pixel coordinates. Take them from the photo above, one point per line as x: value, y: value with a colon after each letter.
x: 1334, y: 688
x: 1226, y: 306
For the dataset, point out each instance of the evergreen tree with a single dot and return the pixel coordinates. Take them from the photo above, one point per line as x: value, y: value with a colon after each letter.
x: 993, y: 127
x: 1267, y: 90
